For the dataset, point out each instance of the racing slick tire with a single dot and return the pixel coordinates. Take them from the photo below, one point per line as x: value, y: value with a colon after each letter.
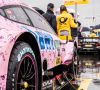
x: 22, y: 69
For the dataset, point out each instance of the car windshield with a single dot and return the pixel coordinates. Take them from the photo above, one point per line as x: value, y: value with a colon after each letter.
x: 85, y: 29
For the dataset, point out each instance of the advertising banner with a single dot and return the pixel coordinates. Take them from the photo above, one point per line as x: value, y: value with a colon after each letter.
x: 73, y: 2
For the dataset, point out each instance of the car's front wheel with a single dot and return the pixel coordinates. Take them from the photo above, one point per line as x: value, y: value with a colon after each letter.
x: 22, y: 69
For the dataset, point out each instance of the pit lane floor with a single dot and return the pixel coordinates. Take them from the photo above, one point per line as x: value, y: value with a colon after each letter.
x: 89, y: 77
x: 90, y: 71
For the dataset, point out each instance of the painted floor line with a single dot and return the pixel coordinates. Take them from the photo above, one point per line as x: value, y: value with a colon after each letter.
x: 84, y: 84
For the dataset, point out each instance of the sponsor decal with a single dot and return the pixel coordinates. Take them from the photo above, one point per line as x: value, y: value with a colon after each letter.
x: 73, y: 2
x: 22, y: 52
x: 57, y: 44
x: 44, y: 40
x: 42, y: 43
x: 47, y: 84
x: 58, y: 61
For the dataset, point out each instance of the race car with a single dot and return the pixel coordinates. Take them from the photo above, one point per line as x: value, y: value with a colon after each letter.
x: 29, y: 47
x: 89, y: 40
x: 89, y: 44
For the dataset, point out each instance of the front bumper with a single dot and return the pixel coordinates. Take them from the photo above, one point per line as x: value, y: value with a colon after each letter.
x: 88, y: 49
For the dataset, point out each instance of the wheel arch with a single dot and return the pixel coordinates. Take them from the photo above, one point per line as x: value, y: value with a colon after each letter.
x: 31, y: 40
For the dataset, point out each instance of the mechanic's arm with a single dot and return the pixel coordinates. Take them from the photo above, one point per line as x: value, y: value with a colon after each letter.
x: 72, y: 23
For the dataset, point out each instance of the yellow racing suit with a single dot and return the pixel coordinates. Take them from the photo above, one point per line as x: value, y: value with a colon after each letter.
x: 64, y: 22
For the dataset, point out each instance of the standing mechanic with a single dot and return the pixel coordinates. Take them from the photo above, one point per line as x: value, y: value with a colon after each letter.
x: 64, y: 22
x: 75, y: 31
x: 50, y: 17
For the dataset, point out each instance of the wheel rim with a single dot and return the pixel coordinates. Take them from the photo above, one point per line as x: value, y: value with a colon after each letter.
x: 26, y: 76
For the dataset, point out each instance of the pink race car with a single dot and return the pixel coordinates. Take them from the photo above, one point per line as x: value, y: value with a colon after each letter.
x: 28, y: 47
